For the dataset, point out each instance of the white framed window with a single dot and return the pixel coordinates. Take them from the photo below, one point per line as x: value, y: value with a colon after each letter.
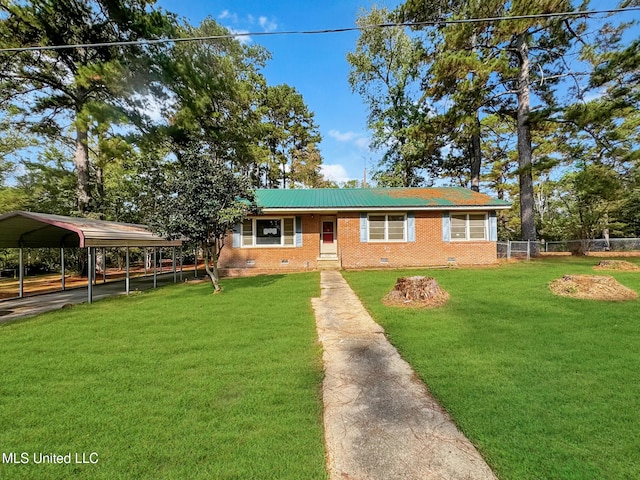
x: 269, y: 232
x: 391, y: 227
x: 469, y: 226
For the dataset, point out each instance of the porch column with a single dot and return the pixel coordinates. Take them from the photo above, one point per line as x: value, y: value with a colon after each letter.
x: 62, y: 267
x: 145, y: 261
x: 21, y: 276
x: 104, y: 265
x: 89, y: 275
x: 126, y: 276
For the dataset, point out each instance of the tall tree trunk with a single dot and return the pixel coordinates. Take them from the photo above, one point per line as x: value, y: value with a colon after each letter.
x: 284, y: 175
x: 100, y: 190
x: 82, y: 169
x: 82, y: 155
x: 212, y: 270
x: 406, y: 172
x: 476, y: 153
x: 527, y: 217
x: 99, y: 162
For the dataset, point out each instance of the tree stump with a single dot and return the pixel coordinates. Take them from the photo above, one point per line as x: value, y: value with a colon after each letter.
x: 416, y: 291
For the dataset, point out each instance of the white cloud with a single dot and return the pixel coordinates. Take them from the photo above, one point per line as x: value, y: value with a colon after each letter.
x: 335, y: 173
x: 266, y: 24
x: 154, y: 111
x: 362, y: 142
x: 227, y: 15
x: 240, y: 35
x: 358, y: 139
x: 342, y: 137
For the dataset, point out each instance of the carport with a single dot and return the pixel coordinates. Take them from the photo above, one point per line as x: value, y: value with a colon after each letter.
x: 39, y: 230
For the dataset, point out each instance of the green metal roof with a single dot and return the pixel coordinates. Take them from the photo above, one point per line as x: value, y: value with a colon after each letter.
x: 359, y: 198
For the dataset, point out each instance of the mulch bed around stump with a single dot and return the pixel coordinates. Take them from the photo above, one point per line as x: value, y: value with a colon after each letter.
x: 592, y: 287
x: 416, y: 291
x: 621, y: 265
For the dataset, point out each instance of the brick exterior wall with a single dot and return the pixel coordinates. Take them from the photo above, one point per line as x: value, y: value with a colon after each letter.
x: 270, y: 259
x: 428, y: 250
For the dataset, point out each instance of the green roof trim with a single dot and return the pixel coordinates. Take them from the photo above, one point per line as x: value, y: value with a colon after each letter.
x: 359, y: 198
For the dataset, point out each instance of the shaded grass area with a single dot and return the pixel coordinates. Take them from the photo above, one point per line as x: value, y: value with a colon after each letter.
x: 546, y: 387
x: 175, y: 383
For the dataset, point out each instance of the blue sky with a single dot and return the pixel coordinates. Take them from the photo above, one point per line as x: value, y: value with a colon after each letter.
x: 315, y: 65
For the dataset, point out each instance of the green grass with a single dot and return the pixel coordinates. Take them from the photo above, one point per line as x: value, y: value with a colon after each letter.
x: 546, y: 387
x: 171, y: 384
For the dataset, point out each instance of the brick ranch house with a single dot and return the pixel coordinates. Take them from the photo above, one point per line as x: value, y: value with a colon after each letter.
x: 308, y: 229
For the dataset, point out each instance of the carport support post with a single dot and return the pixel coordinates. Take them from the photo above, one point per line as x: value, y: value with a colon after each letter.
x: 89, y: 275
x: 95, y: 264
x: 195, y: 266
x: 155, y: 272
x: 21, y: 282
x: 62, y: 267
x: 104, y: 265
x: 126, y: 277
x: 173, y: 263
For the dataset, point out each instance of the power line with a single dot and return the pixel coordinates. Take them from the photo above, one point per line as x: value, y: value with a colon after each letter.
x: 319, y: 32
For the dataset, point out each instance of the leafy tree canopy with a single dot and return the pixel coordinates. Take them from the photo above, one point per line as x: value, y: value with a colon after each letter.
x: 200, y: 198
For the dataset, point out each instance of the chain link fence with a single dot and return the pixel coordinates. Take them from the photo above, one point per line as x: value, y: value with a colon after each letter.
x: 523, y: 249
x: 597, y: 245
x: 519, y: 249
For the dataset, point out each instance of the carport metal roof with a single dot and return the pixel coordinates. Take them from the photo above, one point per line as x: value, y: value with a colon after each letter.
x: 40, y: 230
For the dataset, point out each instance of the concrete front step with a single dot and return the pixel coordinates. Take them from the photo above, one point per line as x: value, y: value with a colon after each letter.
x: 328, y: 264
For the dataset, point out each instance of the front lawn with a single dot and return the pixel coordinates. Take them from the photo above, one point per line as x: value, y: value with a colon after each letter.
x: 171, y: 384
x: 546, y: 387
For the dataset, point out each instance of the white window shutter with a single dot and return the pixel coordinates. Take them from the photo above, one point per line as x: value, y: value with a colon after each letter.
x: 237, y: 235
x: 411, y: 227
x: 446, y: 227
x: 363, y: 227
x: 493, y: 227
x: 298, y: 232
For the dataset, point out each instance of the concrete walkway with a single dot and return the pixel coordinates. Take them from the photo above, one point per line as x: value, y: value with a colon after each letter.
x: 380, y: 421
x: 16, y: 308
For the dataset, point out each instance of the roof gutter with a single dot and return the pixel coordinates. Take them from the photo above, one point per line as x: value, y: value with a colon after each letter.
x: 404, y: 208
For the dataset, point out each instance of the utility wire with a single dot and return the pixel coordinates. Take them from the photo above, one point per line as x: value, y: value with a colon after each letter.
x: 320, y: 32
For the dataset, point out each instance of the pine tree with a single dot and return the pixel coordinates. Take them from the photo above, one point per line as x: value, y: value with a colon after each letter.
x: 54, y: 88
x: 480, y: 68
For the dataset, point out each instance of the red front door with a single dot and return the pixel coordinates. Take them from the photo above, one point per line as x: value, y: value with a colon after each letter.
x: 327, y: 232
x: 328, y: 237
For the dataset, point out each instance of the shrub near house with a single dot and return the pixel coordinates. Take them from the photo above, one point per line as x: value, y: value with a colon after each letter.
x: 365, y: 228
